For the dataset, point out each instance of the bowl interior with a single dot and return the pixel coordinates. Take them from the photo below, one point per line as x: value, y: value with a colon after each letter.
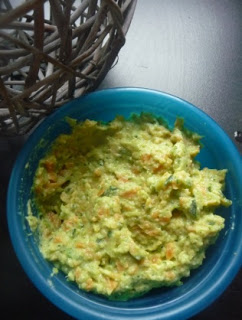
x: 222, y: 259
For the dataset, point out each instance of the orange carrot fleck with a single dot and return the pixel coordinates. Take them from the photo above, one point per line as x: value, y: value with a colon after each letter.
x: 155, y: 215
x: 123, y: 179
x: 135, y: 170
x: 98, y: 172
x: 146, y: 157
x: 129, y: 193
x: 120, y: 267
x: 52, y: 176
x: 155, y: 259
x: 77, y: 273
x: 89, y: 284
x: 100, y: 192
x: 157, y: 169
x: 165, y: 219
x: 49, y: 165
x: 103, y: 212
x: 112, y: 284
x: 169, y: 250
x: 57, y: 240
x: 80, y: 245
x: 170, y: 275
x: 54, y: 219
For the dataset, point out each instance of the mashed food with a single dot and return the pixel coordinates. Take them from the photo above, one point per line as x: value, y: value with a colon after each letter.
x: 124, y: 207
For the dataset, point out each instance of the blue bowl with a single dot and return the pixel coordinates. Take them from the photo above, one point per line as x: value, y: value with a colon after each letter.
x: 223, y: 259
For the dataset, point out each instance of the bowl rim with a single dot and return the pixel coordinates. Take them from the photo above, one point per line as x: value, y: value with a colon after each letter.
x: 88, y: 309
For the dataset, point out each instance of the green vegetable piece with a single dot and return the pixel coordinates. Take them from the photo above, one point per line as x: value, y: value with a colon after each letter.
x: 211, y: 223
x: 73, y: 232
x: 193, y: 208
x: 110, y: 191
x: 125, y: 152
x: 72, y: 122
x: 168, y: 180
x: 179, y: 123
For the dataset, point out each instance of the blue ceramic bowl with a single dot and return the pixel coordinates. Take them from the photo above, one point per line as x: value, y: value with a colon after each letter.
x: 223, y: 259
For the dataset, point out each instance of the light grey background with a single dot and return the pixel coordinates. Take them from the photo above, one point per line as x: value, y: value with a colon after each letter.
x: 188, y: 48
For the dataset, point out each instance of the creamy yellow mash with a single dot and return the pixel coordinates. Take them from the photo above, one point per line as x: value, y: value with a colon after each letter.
x: 124, y: 207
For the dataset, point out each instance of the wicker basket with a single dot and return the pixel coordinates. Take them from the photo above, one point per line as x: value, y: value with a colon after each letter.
x: 53, y: 51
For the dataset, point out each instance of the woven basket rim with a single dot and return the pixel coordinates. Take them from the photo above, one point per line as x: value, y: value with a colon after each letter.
x: 57, y: 60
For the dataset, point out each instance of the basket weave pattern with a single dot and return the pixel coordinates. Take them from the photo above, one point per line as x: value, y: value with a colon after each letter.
x: 53, y: 51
